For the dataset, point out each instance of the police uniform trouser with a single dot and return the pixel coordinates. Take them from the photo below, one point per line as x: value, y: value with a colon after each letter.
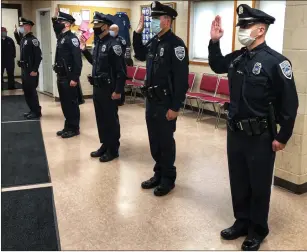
x: 106, y: 111
x: 69, y: 103
x: 162, y: 142
x: 9, y: 66
x: 251, y: 162
x: 29, y: 85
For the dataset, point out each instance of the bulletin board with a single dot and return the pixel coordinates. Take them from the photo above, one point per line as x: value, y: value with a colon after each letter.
x: 147, y: 32
x: 72, y: 9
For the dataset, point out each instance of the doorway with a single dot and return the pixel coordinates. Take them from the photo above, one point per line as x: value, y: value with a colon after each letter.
x: 9, y: 15
x: 45, y: 42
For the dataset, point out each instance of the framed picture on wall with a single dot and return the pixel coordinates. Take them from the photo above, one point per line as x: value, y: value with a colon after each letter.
x: 147, y: 32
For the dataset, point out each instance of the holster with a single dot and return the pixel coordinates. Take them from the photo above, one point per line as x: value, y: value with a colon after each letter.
x: 60, y: 70
x: 155, y: 93
x: 22, y: 64
x: 100, y: 81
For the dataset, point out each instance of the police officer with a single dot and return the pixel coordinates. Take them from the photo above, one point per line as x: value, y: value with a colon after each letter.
x: 68, y: 66
x: 8, y: 55
x: 108, y: 80
x: 114, y: 33
x: 166, y: 85
x: 262, y: 92
x: 30, y: 59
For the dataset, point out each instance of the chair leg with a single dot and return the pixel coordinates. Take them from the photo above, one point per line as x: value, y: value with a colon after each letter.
x: 202, y: 105
x: 218, y: 117
x: 185, y: 103
x: 191, y: 105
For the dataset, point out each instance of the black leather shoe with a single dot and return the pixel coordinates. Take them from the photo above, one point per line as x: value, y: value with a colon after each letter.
x: 151, y: 183
x: 252, y: 244
x: 162, y: 190
x: 70, y: 133
x: 32, y: 116
x: 61, y: 132
x: 26, y: 114
x: 234, y: 232
x: 108, y: 156
x: 98, y: 153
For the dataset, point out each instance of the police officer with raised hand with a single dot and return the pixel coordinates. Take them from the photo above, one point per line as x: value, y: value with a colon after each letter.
x: 262, y: 93
x: 108, y: 80
x: 165, y: 89
x: 30, y: 59
x: 68, y: 66
x: 114, y: 29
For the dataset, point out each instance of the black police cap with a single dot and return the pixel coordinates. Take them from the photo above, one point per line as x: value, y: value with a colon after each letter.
x: 24, y: 21
x: 158, y: 9
x: 249, y: 15
x: 102, y: 18
x: 65, y: 17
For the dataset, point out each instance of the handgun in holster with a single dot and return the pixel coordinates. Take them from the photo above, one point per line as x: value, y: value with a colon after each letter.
x: 90, y: 79
x: 22, y: 64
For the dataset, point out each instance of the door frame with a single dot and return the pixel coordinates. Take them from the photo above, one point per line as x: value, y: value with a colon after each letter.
x: 17, y: 7
x: 39, y: 37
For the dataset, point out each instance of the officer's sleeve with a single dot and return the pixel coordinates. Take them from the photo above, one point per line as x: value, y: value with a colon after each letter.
x: 77, y: 59
x: 139, y: 49
x: 180, y: 75
x: 288, y: 101
x: 219, y: 63
x: 17, y: 37
x: 87, y: 54
x: 37, y: 55
x: 118, y: 67
x: 14, y: 48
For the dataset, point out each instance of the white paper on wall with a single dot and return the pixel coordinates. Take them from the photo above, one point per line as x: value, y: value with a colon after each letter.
x: 85, y: 15
x: 65, y: 10
x: 77, y: 16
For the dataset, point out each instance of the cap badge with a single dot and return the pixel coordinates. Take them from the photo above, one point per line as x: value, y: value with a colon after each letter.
x: 153, y: 5
x: 240, y: 10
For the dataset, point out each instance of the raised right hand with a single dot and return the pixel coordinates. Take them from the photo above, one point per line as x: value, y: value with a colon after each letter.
x: 15, y: 30
x: 216, y: 29
x: 140, y: 27
x: 56, y: 12
x: 82, y: 42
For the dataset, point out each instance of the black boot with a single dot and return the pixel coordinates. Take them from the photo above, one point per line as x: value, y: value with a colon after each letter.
x: 254, y: 239
x: 98, y: 153
x: 108, y: 156
x: 70, y: 133
x: 238, y: 229
x: 151, y: 183
x: 162, y: 190
x: 33, y: 115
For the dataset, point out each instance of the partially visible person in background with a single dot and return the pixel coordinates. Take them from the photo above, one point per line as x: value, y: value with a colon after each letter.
x: 8, y: 55
x: 114, y: 29
x: 30, y: 59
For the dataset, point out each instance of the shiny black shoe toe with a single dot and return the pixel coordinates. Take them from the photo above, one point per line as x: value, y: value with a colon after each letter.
x: 98, y: 153
x: 26, y: 114
x: 32, y: 116
x: 108, y: 156
x: 162, y: 190
x: 60, y: 132
x: 233, y: 233
x: 151, y: 183
x: 252, y: 244
x: 70, y: 133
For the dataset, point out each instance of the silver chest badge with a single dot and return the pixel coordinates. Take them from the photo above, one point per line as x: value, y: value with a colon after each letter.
x: 161, y: 52
x: 26, y: 42
x: 63, y: 40
x: 103, y: 48
x: 257, y: 68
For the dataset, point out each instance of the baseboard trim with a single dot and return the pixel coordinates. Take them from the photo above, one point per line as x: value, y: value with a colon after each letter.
x: 297, y: 189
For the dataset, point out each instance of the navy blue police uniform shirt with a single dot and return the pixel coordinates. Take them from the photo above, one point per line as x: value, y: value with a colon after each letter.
x: 123, y: 22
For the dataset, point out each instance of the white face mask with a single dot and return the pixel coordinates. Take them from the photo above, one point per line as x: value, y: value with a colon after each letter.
x: 112, y: 34
x: 244, y: 36
x: 22, y: 30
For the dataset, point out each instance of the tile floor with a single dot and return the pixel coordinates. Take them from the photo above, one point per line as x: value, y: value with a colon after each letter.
x: 102, y: 207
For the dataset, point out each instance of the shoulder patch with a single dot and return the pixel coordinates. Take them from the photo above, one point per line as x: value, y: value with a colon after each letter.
x: 286, y: 69
x: 75, y: 42
x: 117, y: 49
x: 35, y: 42
x: 180, y: 52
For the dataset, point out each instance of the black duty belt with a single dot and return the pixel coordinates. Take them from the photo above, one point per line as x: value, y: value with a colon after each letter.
x: 155, y: 93
x: 251, y: 126
x: 99, y: 81
x: 22, y: 64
